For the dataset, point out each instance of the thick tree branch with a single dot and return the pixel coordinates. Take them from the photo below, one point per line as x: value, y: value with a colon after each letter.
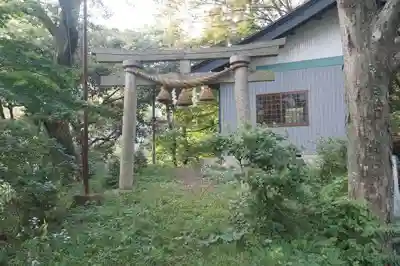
x: 114, y: 134
x: 37, y: 11
x: 387, y: 22
x: 67, y: 40
x: 108, y: 99
x: 11, y: 111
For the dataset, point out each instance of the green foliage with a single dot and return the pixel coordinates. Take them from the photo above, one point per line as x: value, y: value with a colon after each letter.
x: 7, y: 193
x: 350, y: 227
x: 30, y: 181
x: 277, y: 214
x: 332, y: 155
x: 395, y: 121
x: 111, y: 180
x: 29, y: 77
x: 30, y: 178
x: 105, y: 118
x: 162, y: 224
x: 276, y: 179
x: 260, y: 148
x: 6, y: 12
x: 166, y: 144
x: 165, y: 225
x: 231, y: 21
x: 186, y: 139
x: 280, y: 201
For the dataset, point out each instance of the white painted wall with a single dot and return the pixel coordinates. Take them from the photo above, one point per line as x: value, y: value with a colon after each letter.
x: 316, y: 39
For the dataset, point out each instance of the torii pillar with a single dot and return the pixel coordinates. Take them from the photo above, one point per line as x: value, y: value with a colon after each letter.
x: 128, y: 127
x: 241, y: 89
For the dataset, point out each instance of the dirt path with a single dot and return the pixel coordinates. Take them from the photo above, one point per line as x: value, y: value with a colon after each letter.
x: 192, y: 178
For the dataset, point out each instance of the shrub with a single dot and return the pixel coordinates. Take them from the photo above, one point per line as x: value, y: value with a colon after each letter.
x: 332, y: 155
x: 279, y: 217
x: 281, y: 201
x: 111, y: 180
x: 275, y: 181
x: 352, y: 228
x: 259, y: 147
x: 27, y: 165
x: 30, y: 180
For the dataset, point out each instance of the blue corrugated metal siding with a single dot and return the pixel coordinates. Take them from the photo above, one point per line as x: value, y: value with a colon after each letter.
x: 325, y: 87
x: 227, y: 109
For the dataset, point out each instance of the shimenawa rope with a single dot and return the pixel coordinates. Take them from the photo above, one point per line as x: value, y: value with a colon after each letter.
x: 179, y: 83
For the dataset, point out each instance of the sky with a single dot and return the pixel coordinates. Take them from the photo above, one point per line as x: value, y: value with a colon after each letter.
x: 132, y: 14
x: 137, y: 15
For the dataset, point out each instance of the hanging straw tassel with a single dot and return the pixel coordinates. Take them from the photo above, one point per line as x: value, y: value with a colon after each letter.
x: 206, y: 94
x: 185, y: 98
x: 164, y: 96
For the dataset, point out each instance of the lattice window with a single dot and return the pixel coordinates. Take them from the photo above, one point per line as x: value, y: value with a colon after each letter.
x: 283, y: 109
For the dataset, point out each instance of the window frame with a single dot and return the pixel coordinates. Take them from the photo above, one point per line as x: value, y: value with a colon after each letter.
x: 281, y: 94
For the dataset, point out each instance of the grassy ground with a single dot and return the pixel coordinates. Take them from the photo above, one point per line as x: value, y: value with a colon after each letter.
x: 161, y: 223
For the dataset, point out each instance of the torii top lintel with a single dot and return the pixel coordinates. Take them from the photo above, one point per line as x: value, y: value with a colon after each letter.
x: 267, y: 48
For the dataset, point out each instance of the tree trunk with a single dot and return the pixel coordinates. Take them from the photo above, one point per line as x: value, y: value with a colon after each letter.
x: 65, y: 35
x: 369, y: 150
x: 60, y: 131
x: 367, y: 78
x: 66, y: 38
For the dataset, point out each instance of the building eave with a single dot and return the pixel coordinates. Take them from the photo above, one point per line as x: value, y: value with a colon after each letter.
x: 279, y: 28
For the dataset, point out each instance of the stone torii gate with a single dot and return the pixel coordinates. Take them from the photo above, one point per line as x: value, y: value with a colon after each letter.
x: 133, y: 76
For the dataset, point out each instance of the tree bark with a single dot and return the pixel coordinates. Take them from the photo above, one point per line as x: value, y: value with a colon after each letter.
x: 367, y: 74
x: 66, y: 37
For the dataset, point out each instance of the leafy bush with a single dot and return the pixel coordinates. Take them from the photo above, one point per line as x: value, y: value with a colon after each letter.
x: 182, y: 142
x: 275, y: 181
x: 7, y: 194
x: 161, y: 224
x: 276, y: 215
x: 280, y: 201
x: 111, y: 181
x: 30, y: 181
x: 350, y: 227
x: 332, y: 155
x: 26, y: 165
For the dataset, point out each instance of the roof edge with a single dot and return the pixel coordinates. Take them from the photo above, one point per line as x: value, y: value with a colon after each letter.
x: 297, y: 17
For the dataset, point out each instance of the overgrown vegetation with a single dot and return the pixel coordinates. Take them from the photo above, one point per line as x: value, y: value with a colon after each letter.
x: 111, y: 180
x: 275, y: 210
x: 332, y: 158
x: 183, y: 142
x: 279, y: 213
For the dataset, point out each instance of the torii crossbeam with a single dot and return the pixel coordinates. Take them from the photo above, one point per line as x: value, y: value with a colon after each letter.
x: 239, y: 60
